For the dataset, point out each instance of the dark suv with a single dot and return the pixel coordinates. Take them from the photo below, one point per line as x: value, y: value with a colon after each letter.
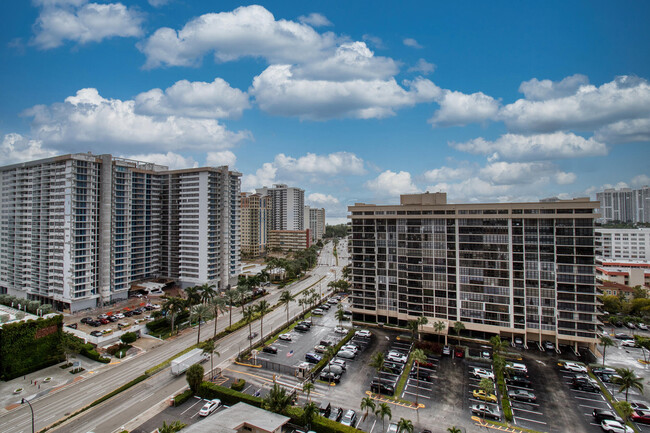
x: 519, y: 381
x: 602, y: 414
x: 270, y: 349
x: 379, y: 387
x: 585, y: 385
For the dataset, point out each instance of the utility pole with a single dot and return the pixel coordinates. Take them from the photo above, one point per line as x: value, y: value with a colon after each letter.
x: 23, y: 401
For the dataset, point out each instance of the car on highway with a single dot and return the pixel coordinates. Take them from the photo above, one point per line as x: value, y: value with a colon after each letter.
x: 611, y: 426
x: 521, y: 395
x: 486, y: 411
x: 482, y: 395
x: 350, y: 418
x: 270, y: 349
x: 312, y: 357
x: 210, y: 407
x: 284, y: 337
x: 481, y: 373
x: 252, y: 335
x: 574, y: 367
x: 340, y: 330
x: 346, y: 354
x: 363, y: 333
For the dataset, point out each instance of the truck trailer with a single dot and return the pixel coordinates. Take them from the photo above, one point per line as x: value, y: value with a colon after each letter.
x: 182, y: 363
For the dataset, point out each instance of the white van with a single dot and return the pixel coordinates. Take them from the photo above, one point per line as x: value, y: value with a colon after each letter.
x: 515, y: 366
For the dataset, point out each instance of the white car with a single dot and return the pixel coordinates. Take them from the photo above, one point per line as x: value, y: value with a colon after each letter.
x: 576, y: 368
x: 339, y: 362
x: 284, y: 337
x: 517, y: 367
x: 119, y: 316
x: 364, y: 333
x: 340, y: 330
x: 317, y: 312
x: 642, y: 326
x: 628, y: 343
x: 397, y: 358
x: 350, y: 348
x: 392, y: 427
x: 609, y: 425
x: 481, y: 373
x: 210, y: 407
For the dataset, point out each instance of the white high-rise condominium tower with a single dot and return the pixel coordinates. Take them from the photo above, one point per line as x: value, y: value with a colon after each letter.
x: 315, y: 222
x: 625, y: 205
x: 77, y: 230
x: 287, y: 206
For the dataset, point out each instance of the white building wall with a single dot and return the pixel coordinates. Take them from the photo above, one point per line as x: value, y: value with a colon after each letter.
x: 624, y: 244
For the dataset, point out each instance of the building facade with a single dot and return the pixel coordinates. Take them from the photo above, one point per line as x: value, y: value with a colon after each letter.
x: 256, y: 213
x: 77, y: 230
x: 288, y: 206
x: 628, y: 273
x: 285, y: 240
x: 315, y: 222
x: 623, y: 244
x: 519, y: 269
x: 625, y: 205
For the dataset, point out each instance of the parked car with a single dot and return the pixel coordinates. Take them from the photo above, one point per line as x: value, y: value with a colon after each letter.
x: 72, y: 325
x: 325, y: 306
x: 137, y: 311
x: 615, y: 427
x: 104, y: 321
x: 345, y: 354
x: 603, y: 370
x: 112, y: 318
x: 317, y: 312
x: 350, y: 418
x: 480, y: 373
x: 306, y: 323
x: 630, y: 325
x: 330, y: 376
x: 128, y: 313
x: 482, y: 395
x: 519, y: 341
x: 339, y: 362
x: 120, y: 316
x: 459, y: 352
x: 332, y: 301
x: 301, y: 328
x: 270, y: 349
x: 517, y: 367
x: 96, y: 333
x: 284, y: 337
x: 325, y: 409
x: 94, y: 323
x: 425, y: 364
x: 312, y: 357
x: 623, y: 336
x: 351, y: 348
x: 519, y: 381
x: 484, y: 410
x: 642, y: 416
x: 336, y: 369
x: 210, y: 407
x: 86, y: 319
x: 364, y: 333
x: 336, y: 414
x: 572, y: 366
x: 636, y: 405
x: 642, y: 326
x: 392, y: 428
x: 422, y: 375
x: 446, y: 350
x: 602, y: 414
x: 522, y: 395
x: 584, y: 385
x: 380, y: 387
x: 548, y: 345
x: 320, y: 348
x: 629, y: 343
x: 340, y: 330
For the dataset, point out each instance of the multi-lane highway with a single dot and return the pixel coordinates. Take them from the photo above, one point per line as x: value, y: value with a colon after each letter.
x: 117, y: 411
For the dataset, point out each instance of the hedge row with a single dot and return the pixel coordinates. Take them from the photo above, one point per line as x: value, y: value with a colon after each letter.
x: 182, y: 397
x: 238, y: 384
x: 319, y: 424
x: 88, y: 350
x: 119, y: 390
x: 323, y: 362
x: 227, y: 396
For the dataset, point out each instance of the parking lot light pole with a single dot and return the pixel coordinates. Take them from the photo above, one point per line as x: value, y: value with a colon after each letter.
x: 23, y: 401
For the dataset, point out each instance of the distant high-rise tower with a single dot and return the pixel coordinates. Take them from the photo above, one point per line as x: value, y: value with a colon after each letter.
x: 625, y: 205
x: 255, y: 221
x: 288, y: 206
x: 315, y: 222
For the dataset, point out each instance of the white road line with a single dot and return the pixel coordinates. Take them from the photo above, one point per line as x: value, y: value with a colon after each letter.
x: 526, y: 410
x: 532, y: 420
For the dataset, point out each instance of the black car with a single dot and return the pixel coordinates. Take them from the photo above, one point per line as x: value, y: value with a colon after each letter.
x: 330, y: 376
x: 602, y: 414
x: 379, y: 387
x: 424, y: 375
x: 128, y: 313
x: 270, y: 349
x: 94, y: 323
x: 301, y: 328
x: 96, y: 333
x: 137, y: 311
x: 622, y: 336
x: 86, y: 320
x: 72, y: 325
x: 519, y: 381
x: 336, y: 414
x: 584, y: 385
x: 252, y: 335
x: 112, y: 318
x: 325, y: 409
x: 305, y: 323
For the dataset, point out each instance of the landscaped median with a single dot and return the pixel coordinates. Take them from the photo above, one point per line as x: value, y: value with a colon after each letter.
x: 611, y: 400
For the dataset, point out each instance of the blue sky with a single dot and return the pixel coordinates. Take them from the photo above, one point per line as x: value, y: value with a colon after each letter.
x: 498, y: 101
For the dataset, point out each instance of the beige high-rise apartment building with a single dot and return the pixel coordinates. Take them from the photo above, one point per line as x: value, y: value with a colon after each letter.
x: 315, y: 222
x: 288, y: 206
x: 516, y: 270
x: 256, y: 212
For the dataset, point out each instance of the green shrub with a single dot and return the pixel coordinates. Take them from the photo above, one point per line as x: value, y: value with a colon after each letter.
x: 323, y: 362
x: 227, y: 396
x: 182, y: 397
x: 128, y: 337
x: 88, y: 350
x: 118, y: 390
x: 507, y: 411
x: 238, y: 385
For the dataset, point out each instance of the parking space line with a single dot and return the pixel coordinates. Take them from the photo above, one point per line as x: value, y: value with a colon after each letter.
x: 532, y: 420
x: 524, y: 402
x: 525, y: 410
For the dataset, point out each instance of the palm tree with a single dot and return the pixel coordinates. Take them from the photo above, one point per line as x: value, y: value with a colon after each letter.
x: 172, y: 427
x: 414, y: 327
x: 340, y: 314
x: 309, y: 412
x: 458, y: 328
x: 218, y: 306
x: 628, y: 379
x: 200, y: 313
x: 231, y: 297
x: 383, y: 411
x: 606, y: 342
x: 404, y: 425
x: 422, y: 320
x: 439, y: 326
x: 498, y: 345
x: 262, y: 308
x: 307, y: 388
x: 193, y: 296
x: 249, y: 314
x: 242, y: 297
x: 377, y: 362
x: 367, y: 403
x: 173, y: 305
x: 487, y: 386
x: 286, y: 298
x: 207, y: 293
x: 277, y: 400
x: 209, y: 347
x: 418, y: 357
x: 453, y: 429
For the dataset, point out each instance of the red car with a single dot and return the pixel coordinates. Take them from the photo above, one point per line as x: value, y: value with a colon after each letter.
x: 104, y: 321
x: 425, y: 364
x: 459, y: 352
x: 642, y: 416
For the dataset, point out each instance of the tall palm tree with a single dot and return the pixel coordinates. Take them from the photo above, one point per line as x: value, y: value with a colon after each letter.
x: 340, y: 314
x: 458, y: 328
x: 498, y: 345
x: 286, y: 298
x: 277, y: 400
x: 414, y: 327
x: 383, y: 411
x: 309, y: 412
x: 307, y: 388
x: 439, y: 326
x: 200, y: 313
x: 173, y: 305
x: 377, y: 362
x: 218, y: 306
x: 367, y: 403
x: 207, y: 293
x: 627, y: 380
x: 422, y: 320
x: 209, y: 348
x: 262, y: 308
x: 193, y: 296
x: 242, y: 296
x: 418, y: 357
x: 404, y: 425
x: 231, y: 297
x: 606, y: 342
x: 249, y: 314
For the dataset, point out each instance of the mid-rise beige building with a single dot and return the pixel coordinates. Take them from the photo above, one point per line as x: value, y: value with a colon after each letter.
x: 515, y: 270
x: 256, y: 211
x: 289, y: 240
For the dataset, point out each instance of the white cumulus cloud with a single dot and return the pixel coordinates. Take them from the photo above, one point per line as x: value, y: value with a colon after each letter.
x: 423, y: 67
x: 330, y: 164
x: 517, y: 173
x: 83, y: 22
x: 17, y: 148
x: 410, y: 42
x: 321, y: 199
x: 88, y: 119
x: 263, y: 176
x: 459, y: 109
x: 556, y: 145
x: 625, y: 131
x: 445, y: 174
x: 217, y: 159
x: 315, y: 19
x: 541, y: 90
x: 392, y: 184
x: 194, y: 99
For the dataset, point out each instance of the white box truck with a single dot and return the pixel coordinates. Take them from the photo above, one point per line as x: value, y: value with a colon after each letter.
x: 183, y: 362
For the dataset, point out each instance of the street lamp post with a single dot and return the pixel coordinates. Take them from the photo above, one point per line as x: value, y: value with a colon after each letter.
x: 32, y: 409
